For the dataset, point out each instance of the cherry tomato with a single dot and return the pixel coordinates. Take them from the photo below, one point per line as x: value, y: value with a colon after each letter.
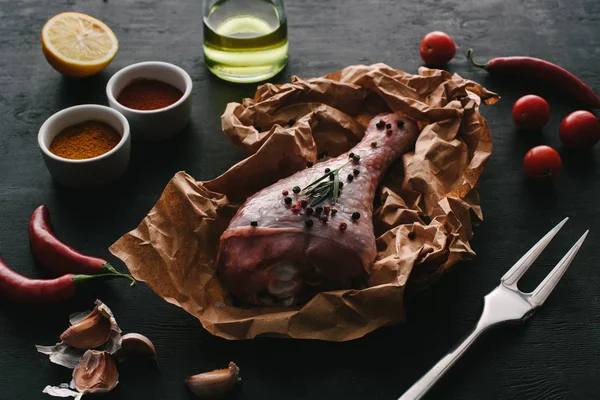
x: 580, y: 130
x: 531, y: 112
x: 542, y: 163
x: 437, y: 49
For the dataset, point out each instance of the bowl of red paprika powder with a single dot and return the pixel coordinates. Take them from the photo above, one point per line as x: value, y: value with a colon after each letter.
x: 154, y: 96
x: 85, y: 146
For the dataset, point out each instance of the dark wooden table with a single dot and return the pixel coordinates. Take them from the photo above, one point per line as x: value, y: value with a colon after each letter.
x: 553, y: 356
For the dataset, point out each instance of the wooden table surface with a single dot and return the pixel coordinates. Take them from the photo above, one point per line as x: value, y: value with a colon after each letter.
x: 553, y: 356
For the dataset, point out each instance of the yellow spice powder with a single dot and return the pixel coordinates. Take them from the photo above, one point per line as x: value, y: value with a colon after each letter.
x: 85, y: 140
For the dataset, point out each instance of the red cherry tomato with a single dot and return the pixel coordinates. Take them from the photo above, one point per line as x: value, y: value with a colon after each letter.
x: 542, y: 163
x: 437, y: 49
x: 531, y: 112
x: 580, y: 130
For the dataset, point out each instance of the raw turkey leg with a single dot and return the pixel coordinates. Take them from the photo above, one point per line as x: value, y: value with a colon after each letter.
x: 279, y: 251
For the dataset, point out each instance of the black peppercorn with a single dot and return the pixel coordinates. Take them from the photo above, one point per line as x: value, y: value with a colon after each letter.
x: 400, y: 124
x: 388, y: 126
x: 350, y: 177
x: 373, y: 144
x: 309, y: 211
x: 327, y: 170
x: 319, y: 210
x: 356, y: 158
x: 380, y: 124
x: 356, y: 172
x: 341, y: 184
x: 309, y: 164
x: 389, y: 132
x: 351, y: 155
x: 308, y: 223
x: 355, y: 215
x: 296, y: 189
x: 288, y: 200
x: 254, y: 223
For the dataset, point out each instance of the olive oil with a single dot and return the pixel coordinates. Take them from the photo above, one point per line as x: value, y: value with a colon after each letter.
x: 245, y: 41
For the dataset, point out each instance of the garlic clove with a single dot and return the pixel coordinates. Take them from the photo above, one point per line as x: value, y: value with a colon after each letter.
x: 135, y: 344
x: 96, y: 373
x: 90, y: 332
x: 214, y: 383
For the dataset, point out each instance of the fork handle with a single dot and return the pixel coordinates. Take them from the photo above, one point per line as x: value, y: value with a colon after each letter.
x: 423, y: 385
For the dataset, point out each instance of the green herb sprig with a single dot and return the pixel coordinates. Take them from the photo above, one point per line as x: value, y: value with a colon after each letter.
x: 318, y: 190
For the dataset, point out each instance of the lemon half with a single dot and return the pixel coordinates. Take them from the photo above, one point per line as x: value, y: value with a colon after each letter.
x: 78, y: 45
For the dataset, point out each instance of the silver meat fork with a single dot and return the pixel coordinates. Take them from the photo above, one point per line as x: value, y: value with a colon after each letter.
x: 506, y: 303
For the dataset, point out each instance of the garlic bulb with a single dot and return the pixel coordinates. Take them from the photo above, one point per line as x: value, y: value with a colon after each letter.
x: 96, y: 373
x: 214, y: 383
x: 91, y: 332
x: 135, y: 344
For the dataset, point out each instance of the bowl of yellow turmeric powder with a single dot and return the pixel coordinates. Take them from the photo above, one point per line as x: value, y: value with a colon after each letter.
x: 86, y: 145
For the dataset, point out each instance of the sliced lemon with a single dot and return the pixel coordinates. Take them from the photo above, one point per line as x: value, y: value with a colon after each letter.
x: 78, y: 45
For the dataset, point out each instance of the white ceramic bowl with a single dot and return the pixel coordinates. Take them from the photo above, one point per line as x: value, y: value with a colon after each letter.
x: 90, y: 172
x: 163, y: 123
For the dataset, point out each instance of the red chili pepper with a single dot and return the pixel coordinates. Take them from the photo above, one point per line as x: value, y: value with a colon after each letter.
x: 540, y: 69
x: 56, y: 256
x: 21, y: 289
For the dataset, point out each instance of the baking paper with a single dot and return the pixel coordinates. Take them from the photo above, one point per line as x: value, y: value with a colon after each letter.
x: 425, y: 209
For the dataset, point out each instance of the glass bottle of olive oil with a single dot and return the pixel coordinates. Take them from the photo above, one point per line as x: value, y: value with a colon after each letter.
x: 245, y: 40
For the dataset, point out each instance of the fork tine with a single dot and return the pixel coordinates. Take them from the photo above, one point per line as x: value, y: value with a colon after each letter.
x: 512, y: 276
x: 541, y: 293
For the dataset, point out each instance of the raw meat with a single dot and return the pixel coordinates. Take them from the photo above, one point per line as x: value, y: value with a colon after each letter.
x: 272, y: 255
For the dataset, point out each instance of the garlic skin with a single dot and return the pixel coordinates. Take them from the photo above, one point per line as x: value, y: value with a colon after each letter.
x: 214, y: 383
x: 137, y: 345
x: 69, y: 356
x: 96, y: 373
x: 90, y: 332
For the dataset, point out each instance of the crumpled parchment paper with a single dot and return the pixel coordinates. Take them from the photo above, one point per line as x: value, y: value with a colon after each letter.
x: 431, y: 192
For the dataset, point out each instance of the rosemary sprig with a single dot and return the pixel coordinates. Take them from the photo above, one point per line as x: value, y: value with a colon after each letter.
x: 322, y: 196
x: 319, y: 190
x: 336, y: 188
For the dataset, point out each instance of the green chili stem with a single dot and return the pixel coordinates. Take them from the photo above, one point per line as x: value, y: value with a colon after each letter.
x: 470, y: 57
x: 115, y: 274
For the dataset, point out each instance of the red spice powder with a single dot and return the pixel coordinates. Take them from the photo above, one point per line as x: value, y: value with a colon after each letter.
x: 149, y: 94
